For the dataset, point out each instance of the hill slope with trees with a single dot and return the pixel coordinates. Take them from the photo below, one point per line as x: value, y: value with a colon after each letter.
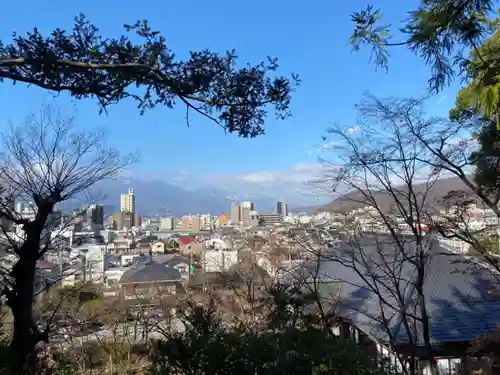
x: 435, y: 195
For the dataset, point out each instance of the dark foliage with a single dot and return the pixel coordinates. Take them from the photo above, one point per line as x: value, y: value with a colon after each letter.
x: 86, y: 64
x: 438, y: 31
x: 487, y: 160
x: 209, y: 348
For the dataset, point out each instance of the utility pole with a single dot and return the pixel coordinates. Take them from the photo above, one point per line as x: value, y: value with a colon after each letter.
x: 89, y: 265
x: 84, y: 268
x: 190, y: 263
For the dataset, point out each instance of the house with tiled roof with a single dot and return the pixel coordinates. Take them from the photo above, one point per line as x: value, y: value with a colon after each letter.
x: 371, y: 287
x: 144, y: 245
x: 179, y: 262
x: 186, y: 240
x: 149, y: 280
x: 189, y: 245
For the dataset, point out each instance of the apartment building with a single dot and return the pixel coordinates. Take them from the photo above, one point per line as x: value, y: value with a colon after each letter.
x: 95, y: 215
x: 222, y: 220
x: 191, y: 223
x: 282, y: 208
x: 167, y: 223
x: 127, y: 202
x: 267, y: 218
x: 246, y: 208
x: 235, y: 214
x: 125, y: 219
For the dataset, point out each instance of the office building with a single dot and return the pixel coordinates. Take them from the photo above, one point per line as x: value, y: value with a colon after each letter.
x: 167, y: 223
x: 137, y: 221
x: 177, y: 224
x: 269, y: 218
x: 222, y: 221
x: 235, y: 214
x: 245, y: 208
x: 192, y: 223
x: 95, y: 215
x: 282, y: 208
x: 127, y: 202
x: 205, y: 222
x: 124, y: 220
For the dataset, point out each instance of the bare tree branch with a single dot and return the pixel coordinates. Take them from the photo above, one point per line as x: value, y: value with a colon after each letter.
x: 46, y: 161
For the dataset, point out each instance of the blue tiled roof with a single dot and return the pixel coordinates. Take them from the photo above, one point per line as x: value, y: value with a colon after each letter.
x: 150, y: 272
x: 461, y: 296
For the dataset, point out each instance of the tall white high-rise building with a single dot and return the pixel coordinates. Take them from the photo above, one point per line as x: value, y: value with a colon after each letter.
x: 127, y: 202
x: 245, y: 208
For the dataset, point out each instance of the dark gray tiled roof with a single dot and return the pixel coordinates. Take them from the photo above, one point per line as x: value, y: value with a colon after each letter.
x: 246, y: 272
x: 150, y: 272
x: 462, y: 296
x: 171, y: 259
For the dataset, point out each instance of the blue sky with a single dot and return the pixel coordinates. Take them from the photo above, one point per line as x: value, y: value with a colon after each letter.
x: 309, y: 38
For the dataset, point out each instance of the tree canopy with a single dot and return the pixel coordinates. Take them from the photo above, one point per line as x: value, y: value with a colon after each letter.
x: 86, y: 64
x: 482, y: 93
x: 456, y: 39
x: 441, y: 32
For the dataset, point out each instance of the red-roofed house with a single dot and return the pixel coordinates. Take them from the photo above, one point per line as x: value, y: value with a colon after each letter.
x: 186, y: 240
x: 144, y: 246
x: 189, y: 244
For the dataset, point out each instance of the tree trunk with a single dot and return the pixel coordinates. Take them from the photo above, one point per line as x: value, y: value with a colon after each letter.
x: 427, y: 335
x: 21, y: 302
x: 20, y: 298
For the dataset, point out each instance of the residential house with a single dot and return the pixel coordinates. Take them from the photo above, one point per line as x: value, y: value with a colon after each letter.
x: 189, y: 245
x: 149, y: 280
x: 185, y: 241
x: 121, y: 244
x: 217, y: 243
x: 178, y: 262
x: 143, y: 245
x: 158, y: 247
x: 218, y: 260
x: 460, y: 295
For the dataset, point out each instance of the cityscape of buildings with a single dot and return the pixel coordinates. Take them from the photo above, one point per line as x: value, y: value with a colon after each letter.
x: 133, y: 258
x: 239, y: 214
x: 397, y: 275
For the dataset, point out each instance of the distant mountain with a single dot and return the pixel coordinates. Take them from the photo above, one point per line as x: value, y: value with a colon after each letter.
x: 156, y: 197
x: 354, y: 200
x: 305, y: 210
x: 160, y: 198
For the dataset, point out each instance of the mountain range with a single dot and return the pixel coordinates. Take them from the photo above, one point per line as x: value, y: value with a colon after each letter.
x: 354, y: 200
x: 156, y: 197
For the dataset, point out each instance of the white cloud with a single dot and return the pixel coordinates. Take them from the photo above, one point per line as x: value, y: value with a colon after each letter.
x: 289, y: 183
x: 264, y: 177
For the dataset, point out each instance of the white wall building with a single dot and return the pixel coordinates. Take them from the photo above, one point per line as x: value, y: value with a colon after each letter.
x: 218, y: 261
x: 216, y: 244
x: 127, y: 202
